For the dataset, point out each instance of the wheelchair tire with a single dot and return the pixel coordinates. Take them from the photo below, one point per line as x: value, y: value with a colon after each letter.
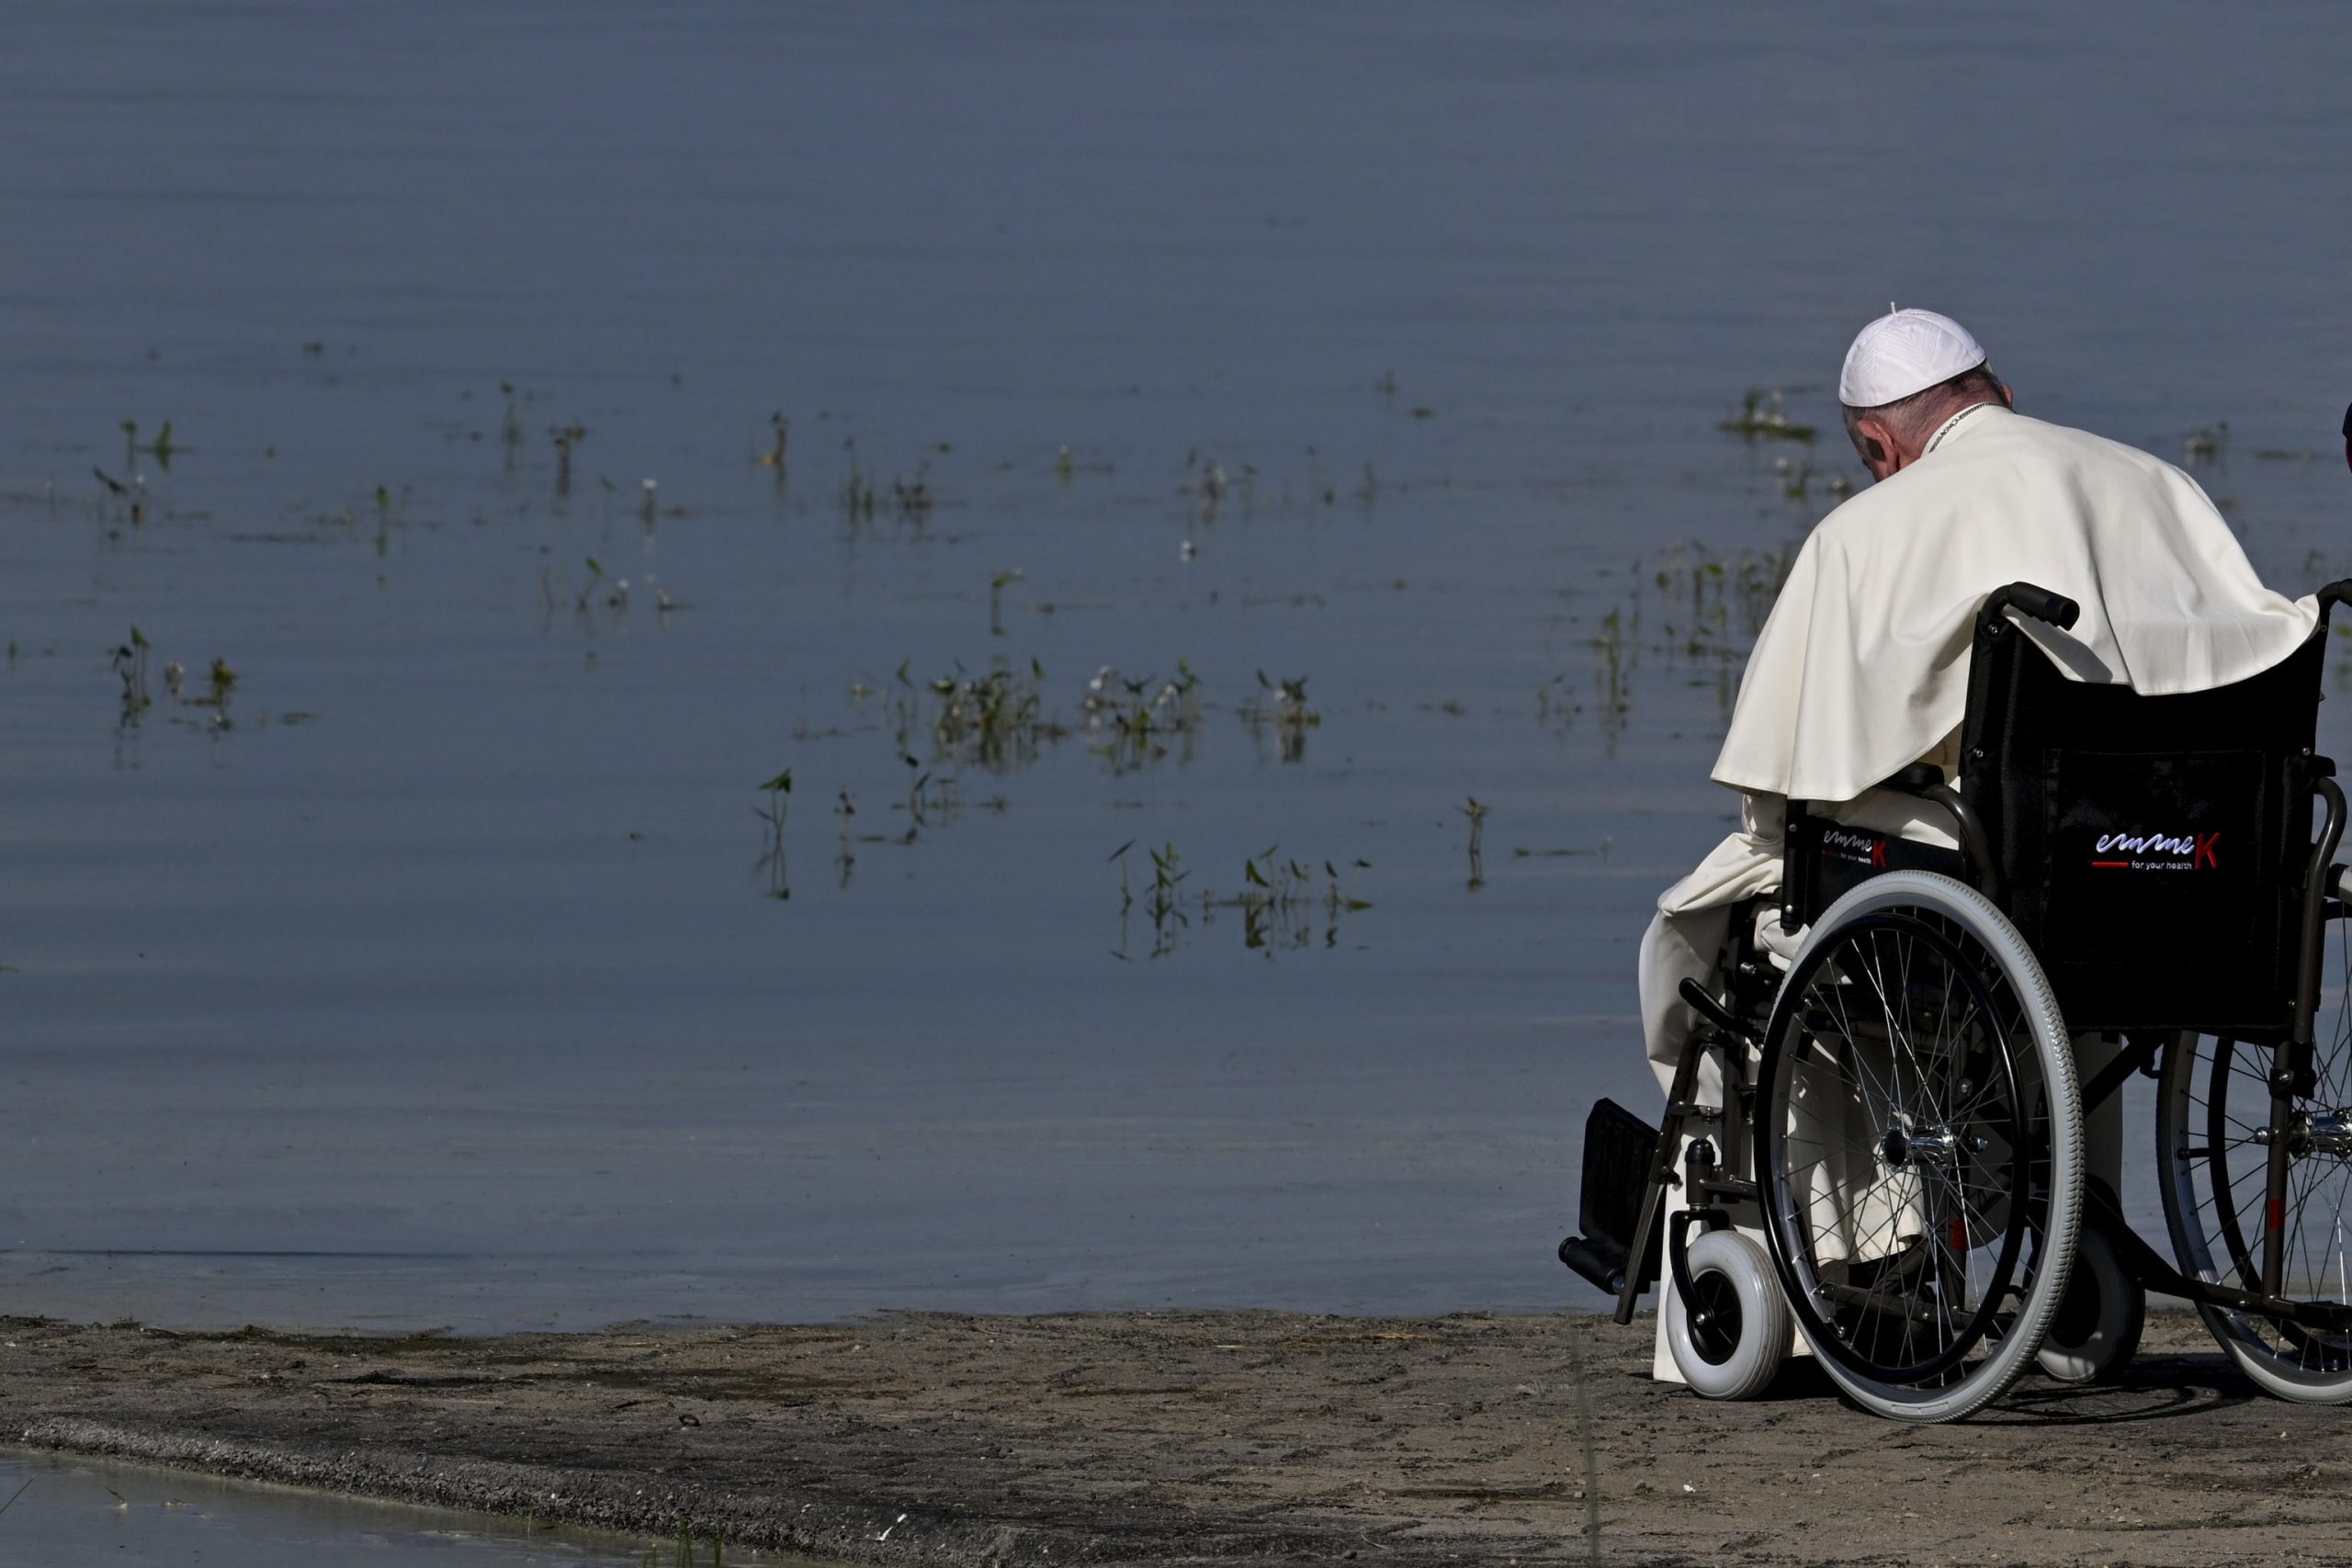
x: 2214, y: 1100
x: 1920, y: 1148
x: 2097, y: 1329
x: 1738, y: 1345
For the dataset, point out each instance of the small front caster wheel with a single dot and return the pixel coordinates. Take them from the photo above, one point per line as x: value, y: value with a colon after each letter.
x: 1732, y: 1347
x: 2097, y: 1323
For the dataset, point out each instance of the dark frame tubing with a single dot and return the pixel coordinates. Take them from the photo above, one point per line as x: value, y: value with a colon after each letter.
x: 1727, y: 1121
x: 2291, y: 1069
x: 2292, y: 1059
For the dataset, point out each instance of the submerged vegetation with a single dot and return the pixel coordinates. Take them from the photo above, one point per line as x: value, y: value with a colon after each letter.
x: 994, y: 720
x: 1696, y: 612
x: 778, y: 791
x: 1477, y: 813
x: 566, y: 437
x: 1761, y: 418
x: 1282, y: 905
x: 861, y: 496
x: 1139, y: 719
x: 163, y: 448
x: 128, y: 662
x: 1280, y: 709
x: 1687, y: 615
x: 685, y: 1552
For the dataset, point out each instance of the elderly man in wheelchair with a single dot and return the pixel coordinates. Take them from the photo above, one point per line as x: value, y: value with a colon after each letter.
x: 2029, y: 803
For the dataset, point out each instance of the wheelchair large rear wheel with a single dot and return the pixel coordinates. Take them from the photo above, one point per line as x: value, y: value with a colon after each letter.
x: 1918, y: 1131
x: 2213, y: 1130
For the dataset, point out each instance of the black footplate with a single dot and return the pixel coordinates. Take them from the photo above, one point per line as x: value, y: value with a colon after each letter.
x: 1618, y: 1148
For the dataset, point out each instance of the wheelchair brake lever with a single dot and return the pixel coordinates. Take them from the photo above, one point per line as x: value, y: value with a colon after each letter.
x: 1714, y: 1012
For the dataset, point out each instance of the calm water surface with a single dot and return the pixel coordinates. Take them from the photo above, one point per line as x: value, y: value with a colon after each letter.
x: 444, y: 972
x: 77, y: 1514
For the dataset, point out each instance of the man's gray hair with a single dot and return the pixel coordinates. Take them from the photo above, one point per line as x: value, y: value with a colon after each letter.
x: 1913, y: 419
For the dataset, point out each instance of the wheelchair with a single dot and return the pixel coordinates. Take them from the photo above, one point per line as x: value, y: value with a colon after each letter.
x: 1900, y: 1114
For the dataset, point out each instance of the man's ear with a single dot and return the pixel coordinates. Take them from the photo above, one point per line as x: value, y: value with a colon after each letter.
x: 2008, y: 399
x: 1877, y: 445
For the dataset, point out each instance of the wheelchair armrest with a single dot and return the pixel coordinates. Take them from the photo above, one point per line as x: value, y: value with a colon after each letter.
x: 2336, y: 592
x: 2055, y: 609
x: 1925, y: 781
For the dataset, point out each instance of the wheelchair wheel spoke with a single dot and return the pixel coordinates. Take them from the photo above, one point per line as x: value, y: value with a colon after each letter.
x: 2218, y: 1127
x: 1903, y: 1137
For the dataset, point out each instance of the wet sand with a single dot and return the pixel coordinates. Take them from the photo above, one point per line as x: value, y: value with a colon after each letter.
x: 1199, y: 1437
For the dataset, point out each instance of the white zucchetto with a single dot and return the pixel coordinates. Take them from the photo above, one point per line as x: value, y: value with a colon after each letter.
x: 1905, y: 352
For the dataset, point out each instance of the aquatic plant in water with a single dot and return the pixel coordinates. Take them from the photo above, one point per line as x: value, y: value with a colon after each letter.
x: 1286, y: 715
x: 1160, y: 902
x: 1477, y: 813
x: 913, y: 498
x: 1277, y: 902
x: 599, y: 598
x: 995, y: 719
x: 1136, y: 717
x: 1276, y: 899
x: 684, y: 1551
x: 844, y: 810
x: 134, y: 492
x: 857, y: 488
x: 130, y: 667
x: 219, y: 681
x: 1205, y: 481
x: 779, y: 802
x: 566, y: 437
x: 997, y: 585
x: 1761, y: 418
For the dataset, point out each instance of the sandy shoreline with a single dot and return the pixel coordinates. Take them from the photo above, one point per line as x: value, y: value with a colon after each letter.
x: 1199, y: 1437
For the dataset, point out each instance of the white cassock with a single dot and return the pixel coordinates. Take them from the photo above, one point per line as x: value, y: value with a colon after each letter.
x: 1862, y: 668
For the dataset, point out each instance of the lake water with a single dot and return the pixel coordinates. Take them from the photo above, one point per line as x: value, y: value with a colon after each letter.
x: 78, y: 1514
x: 442, y: 972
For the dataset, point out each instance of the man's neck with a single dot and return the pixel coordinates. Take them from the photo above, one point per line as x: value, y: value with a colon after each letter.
x: 1954, y: 420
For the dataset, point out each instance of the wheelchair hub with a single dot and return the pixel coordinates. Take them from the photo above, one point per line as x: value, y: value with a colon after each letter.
x: 2327, y: 1131
x: 1905, y: 1142
x: 2322, y: 1131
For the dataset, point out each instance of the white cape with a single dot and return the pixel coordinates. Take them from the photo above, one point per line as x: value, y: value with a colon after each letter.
x: 1862, y: 667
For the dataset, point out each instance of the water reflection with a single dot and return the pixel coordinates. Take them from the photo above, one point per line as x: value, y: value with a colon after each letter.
x: 1139, y: 719
x: 1280, y: 710
x: 1283, y: 904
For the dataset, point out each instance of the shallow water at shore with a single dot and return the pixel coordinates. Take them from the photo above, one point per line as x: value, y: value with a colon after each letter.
x: 438, y: 975
x: 76, y: 1512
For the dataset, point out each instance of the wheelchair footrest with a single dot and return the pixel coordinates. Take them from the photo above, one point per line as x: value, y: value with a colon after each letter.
x: 1619, y: 1149
x: 1599, y: 1258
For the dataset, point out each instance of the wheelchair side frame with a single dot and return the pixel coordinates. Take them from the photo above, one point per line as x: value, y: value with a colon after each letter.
x: 1708, y: 1178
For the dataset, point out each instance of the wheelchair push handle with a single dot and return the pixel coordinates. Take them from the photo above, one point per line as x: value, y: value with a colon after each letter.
x: 2039, y: 603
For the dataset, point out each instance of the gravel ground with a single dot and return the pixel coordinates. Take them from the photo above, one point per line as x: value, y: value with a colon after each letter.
x: 1204, y: 1437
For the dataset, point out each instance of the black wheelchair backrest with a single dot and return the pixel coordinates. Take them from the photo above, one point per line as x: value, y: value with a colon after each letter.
x: 2151, y: 850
